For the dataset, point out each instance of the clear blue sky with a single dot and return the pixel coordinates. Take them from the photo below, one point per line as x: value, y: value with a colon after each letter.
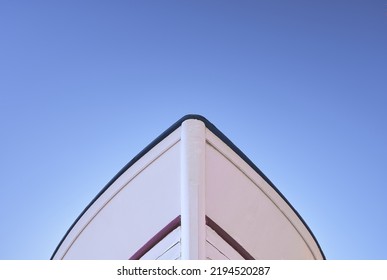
x: 299, y: 86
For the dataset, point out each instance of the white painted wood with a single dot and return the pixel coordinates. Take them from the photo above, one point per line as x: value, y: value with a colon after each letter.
x: 249, y: 210
x: 220, y: 245
x: 172, y: 253
x: 193, y: 190
x: 122, y: 219
x: 270, y: 194
x: 213, y: 253
x: 164, y: 245
x: 191, y: 173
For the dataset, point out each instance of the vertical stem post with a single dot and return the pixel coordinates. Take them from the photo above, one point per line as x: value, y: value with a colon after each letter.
x: 193, y: 234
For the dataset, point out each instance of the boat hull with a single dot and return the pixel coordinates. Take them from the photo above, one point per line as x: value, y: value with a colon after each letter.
x: 191, y: 194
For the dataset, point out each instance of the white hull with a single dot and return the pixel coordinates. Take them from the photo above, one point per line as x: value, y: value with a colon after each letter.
x: 191, y: 194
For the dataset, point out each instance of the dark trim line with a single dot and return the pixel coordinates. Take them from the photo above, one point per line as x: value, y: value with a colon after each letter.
x: 228, y: 238
x: 174, y: 224
x: 176, y: 125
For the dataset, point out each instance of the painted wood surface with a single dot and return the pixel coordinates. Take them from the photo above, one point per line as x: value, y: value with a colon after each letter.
x: 190, y: 195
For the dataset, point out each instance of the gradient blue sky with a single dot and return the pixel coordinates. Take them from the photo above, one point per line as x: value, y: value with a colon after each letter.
x: 299, y: 86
